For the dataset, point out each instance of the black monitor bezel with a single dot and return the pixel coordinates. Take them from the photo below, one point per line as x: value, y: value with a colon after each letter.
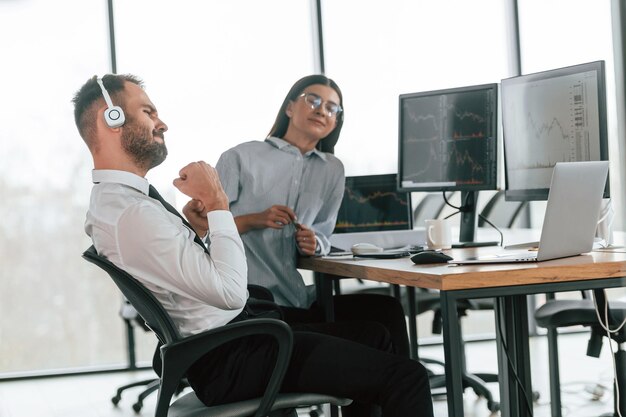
x: 461, y: 187
x: 389, y: 179
x: 541, y: 194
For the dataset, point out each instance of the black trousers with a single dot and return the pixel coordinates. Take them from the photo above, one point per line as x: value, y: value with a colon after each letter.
x: 377, y: 308
x: 350, y: 359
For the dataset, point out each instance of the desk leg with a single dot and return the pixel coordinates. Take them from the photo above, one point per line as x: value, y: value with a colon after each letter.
x: 453, y: 354
x: 324, y: 293
x: 513, y: 356
x: 412, y: 313
x: 555, y: 379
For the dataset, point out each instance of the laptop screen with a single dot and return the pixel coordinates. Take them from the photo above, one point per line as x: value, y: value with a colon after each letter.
x: 372, y: 203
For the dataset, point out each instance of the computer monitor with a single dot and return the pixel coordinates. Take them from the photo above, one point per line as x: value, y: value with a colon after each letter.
x: 372, y: 203
x: 448, y: 142
x: 548, y: 117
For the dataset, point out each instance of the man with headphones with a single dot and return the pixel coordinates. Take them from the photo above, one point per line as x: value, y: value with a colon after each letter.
x: 138, y: 231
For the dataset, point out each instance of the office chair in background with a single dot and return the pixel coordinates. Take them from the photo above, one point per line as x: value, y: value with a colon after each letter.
x: 178, y: 354
x: 132, y: 320
x: 582, y: 312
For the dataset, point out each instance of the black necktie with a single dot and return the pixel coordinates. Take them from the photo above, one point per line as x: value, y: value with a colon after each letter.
x: 152, y: 192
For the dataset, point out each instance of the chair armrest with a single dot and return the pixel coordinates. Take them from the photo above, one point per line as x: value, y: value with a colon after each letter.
x: 178, y: 356
x: 260, y: 293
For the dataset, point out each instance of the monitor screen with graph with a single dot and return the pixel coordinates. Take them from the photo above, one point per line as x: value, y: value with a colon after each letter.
x: 448, y: 139
x: 372, y: 203
x: 448, y: 142
x: 548, y: 117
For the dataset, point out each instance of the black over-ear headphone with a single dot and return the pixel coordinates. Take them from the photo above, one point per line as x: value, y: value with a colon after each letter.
x: 113, y: 115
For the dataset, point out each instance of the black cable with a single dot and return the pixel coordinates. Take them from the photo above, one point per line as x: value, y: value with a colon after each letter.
x: 512, y: 367
x: 462, y: 208
x: 458, y: 209
x: 445, y: 198
x: 450, y: 215
x: 495, y: 227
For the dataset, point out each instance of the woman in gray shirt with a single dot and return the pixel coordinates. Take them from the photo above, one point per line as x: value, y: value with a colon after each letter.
x: 285, y: 193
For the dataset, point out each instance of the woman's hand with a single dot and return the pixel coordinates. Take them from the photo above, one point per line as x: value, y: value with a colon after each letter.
x: 305, y: 239
x: 275, y: 217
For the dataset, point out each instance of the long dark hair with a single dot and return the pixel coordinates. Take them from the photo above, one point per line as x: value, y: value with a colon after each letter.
x: 279, y: 129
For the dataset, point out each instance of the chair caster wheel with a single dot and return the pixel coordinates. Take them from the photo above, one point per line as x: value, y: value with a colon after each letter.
x: 115, y: 400
x: 137, y: 407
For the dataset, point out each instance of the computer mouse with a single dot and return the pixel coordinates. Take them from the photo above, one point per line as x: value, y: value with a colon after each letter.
x: 363, y: 248
x: 430, y: 257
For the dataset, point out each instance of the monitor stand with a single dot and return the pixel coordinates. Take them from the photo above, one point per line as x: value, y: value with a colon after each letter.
x: 469, y: 215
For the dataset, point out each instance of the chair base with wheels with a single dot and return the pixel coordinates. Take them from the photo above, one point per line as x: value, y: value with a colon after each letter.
x: 151, y: 386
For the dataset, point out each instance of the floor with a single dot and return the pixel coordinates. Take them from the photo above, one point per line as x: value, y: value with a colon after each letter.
x: 89, y: 396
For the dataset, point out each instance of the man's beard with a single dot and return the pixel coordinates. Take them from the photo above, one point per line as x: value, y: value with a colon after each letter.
x: 138, y: 141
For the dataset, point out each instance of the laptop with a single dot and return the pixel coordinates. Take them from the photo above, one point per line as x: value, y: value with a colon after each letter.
x: 571, y: 215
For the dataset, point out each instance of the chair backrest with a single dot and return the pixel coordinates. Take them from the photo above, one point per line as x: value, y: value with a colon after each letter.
x: 504, y: 213
x: 148, y: 307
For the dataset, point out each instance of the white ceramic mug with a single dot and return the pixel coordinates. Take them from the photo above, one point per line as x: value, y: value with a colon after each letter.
x: 438, y: 234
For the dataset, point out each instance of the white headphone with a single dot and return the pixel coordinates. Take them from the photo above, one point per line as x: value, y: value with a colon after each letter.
x: 113, y: 115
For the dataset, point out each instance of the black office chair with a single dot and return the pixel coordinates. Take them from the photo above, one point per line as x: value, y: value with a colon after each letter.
x: 581, y: 312
x: 177, y: 354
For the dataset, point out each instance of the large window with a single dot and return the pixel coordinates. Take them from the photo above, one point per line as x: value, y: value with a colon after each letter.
x: 225, y: 86
x: 217, y: 72
x: 402, y: 46
x: 57, y: 311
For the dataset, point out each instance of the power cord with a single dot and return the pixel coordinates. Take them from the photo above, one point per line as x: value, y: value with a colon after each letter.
x: 459, y: 209
x: 495, y: 227
x: 605, y: 325
x: 513, y: 369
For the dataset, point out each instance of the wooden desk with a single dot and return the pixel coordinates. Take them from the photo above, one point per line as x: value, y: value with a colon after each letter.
x: 509, y: 283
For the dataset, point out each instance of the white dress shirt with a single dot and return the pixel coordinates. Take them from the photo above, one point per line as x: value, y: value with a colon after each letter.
x: 138, y: 234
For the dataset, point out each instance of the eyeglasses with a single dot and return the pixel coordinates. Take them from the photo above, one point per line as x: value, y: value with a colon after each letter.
x: 315, y: 101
